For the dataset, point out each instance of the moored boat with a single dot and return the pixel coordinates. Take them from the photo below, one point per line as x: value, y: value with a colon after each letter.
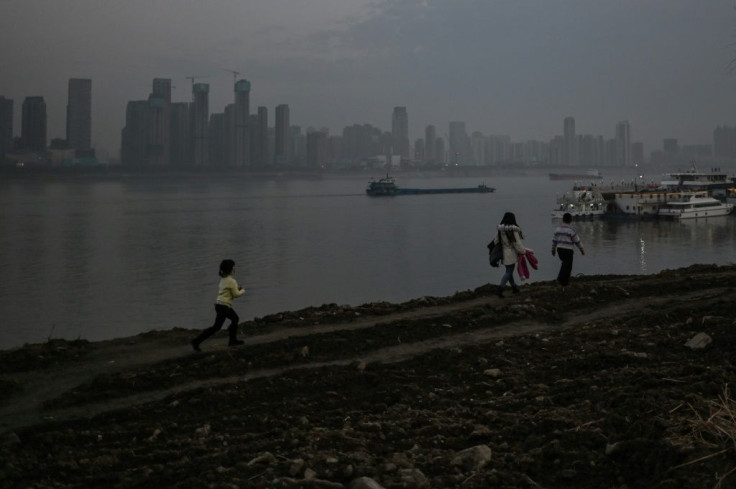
x: 582, y: 203
x: 691, y: 205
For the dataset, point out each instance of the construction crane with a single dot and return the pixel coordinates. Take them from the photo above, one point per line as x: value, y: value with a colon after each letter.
x: 235, y: 75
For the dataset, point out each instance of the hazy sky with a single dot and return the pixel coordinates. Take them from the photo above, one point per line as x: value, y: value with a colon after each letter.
x: 514, y: 67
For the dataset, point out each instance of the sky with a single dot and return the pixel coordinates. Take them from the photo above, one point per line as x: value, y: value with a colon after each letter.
x: 506, y: 67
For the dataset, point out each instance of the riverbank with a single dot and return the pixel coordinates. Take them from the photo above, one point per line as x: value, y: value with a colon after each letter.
x: 597, y: 386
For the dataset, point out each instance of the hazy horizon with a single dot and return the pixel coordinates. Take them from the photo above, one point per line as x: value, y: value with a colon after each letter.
x: 503, y: 67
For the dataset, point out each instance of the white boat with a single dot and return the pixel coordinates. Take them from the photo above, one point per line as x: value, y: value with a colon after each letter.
x: 582, y: 203
x: 690, y: 205
x: 714, y: 180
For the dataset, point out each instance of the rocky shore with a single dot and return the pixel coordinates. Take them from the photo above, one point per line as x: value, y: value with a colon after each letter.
x: 615, y: 382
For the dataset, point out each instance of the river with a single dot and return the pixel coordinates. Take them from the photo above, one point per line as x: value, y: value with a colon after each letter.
x: 103, y: 258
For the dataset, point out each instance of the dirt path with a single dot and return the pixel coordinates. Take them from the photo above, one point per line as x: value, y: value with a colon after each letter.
x: 119, y: 355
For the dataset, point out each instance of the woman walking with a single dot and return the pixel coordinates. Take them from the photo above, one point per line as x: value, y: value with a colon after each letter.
x: 510, y: 236
x: 228, y: 290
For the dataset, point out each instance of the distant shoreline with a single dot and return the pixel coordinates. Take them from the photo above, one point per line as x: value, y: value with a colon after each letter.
x: 121, y: 172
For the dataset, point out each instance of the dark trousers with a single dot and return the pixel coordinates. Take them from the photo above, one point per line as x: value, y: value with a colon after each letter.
x: 223, y: 313
x: 566, y: 266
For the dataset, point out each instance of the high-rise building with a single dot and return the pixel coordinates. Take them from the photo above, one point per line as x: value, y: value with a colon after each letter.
x: 316, y: 149
x: 33, y: 124
x: 430, y: 134
x: 459, y: 144
x: 219, y: 138
x: 159, y: 123
x: 670, y: 145
x: 477, y: 149
x: 570, y: 149
x: 262, y: 153
x: 400, y: 132
x: 589, y: 149
x: 419, y: 150
x: 180, y: 142
x: 439, y: 151
x: 200, y: 114
x: 623, y: 144
x: 79, y: 114
x: 6, y: 126
x: 240, y: 154
x: 637, y: 153
x: 724, y: 142
x: 281, y: 154
x: 135, y: 134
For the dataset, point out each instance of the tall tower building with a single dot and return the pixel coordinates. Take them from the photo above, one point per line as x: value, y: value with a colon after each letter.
x: 200, y: 114
x: 180, y: 142
x: 281, y: 148
x: 623, y: 144
x: 6, y: 126
x: 439, y: 152
x: 135, y: 134
x: 159, y: 123
x: 724, y: 142
x: 79, y: 114
x: 400, y: 132
x: 459, y: 144
x: 316, y: 149
x: 262, y: 147
x: 570, y: 148
x: 240, y: 155
x: 33, y: 124
x: 430, y: 134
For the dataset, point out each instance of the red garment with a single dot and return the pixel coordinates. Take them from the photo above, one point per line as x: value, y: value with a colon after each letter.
x: 522, y: 268
x: 531, y: 259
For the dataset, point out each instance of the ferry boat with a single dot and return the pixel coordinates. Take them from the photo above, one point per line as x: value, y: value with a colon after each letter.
x: 694, y: 179
x: 586, y: 175
x: 582, y: 203
x: 387, y: 187
x: 690, y: 205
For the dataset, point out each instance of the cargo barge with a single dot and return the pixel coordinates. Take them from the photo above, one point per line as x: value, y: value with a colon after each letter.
x: 387, y: 187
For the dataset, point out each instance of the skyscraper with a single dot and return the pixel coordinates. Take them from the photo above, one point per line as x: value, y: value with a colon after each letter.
x: 6, y: 126
x: 459, y: 144
x: 430, y: 150
x: 180, y: 142
x: 262, y: 147
x: 159, y: 123
x: 623, y: 144
x: 79, y: 114
x: 33, y: 124
x: 316, y: 149
x: 240, y: 154
x: 281, y: 148
x: 570, y: 148
x: 135, y: 133
x: 200, y: 114
x: 400, y: 132
x: 724, y: 142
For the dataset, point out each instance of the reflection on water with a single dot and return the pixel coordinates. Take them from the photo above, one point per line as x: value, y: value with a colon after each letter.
x: 659, y: 244
x: 107, y: 259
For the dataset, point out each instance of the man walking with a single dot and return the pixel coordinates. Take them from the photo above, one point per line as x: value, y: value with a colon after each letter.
x: 563, y: 243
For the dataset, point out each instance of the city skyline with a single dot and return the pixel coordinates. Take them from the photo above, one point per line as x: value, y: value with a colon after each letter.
x: 513, y: 69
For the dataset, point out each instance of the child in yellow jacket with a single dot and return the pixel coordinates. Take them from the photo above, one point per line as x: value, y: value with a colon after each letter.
x: 228, y: 290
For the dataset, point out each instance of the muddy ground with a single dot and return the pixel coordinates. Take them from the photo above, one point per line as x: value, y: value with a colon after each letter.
x: 595, y: 386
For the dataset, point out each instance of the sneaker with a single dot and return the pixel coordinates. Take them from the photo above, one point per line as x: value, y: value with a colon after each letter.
x: 235, y: 343
x: 195, y: 345
x: 499, y: 293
